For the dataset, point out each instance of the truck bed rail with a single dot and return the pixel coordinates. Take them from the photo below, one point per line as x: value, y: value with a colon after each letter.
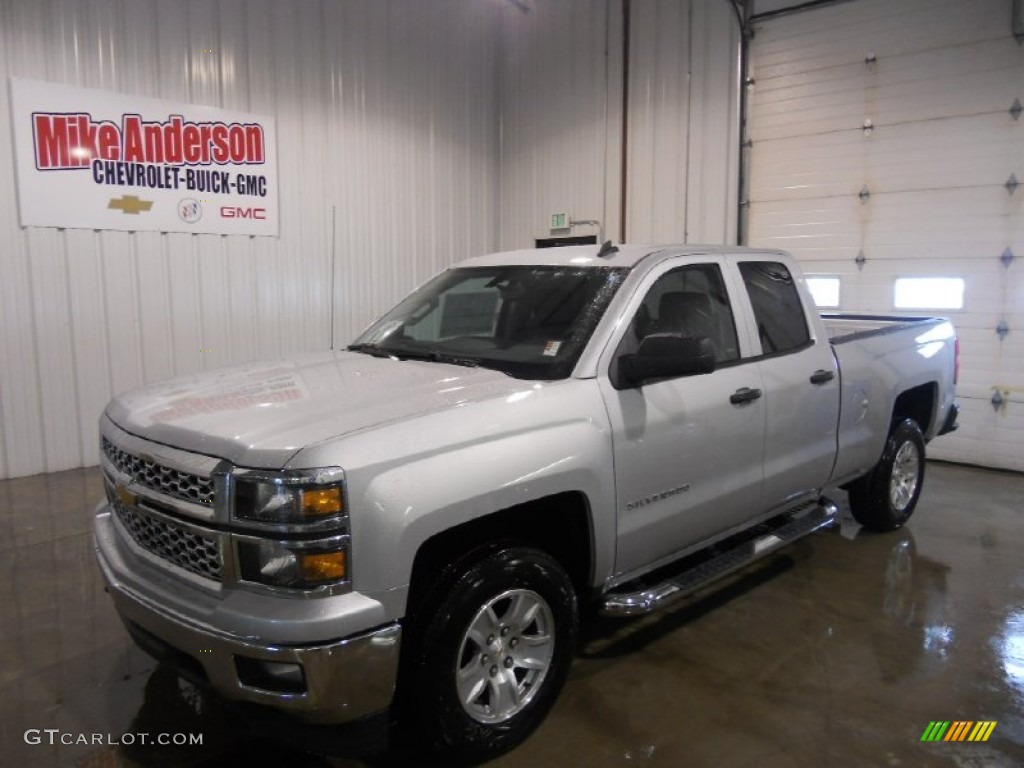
x: 843, y: 327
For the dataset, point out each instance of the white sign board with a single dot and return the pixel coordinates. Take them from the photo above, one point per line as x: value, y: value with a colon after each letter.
x: 92, y: 159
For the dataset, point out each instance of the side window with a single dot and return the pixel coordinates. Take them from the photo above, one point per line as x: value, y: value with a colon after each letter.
x: 778, y: 311
x: 689, y: 301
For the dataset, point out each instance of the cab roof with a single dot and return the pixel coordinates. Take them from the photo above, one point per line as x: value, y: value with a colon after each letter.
x: 587, y: 255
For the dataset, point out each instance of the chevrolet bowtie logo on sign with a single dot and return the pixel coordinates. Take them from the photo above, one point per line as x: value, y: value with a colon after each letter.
x: 958, y: 730
x: 130, y: 204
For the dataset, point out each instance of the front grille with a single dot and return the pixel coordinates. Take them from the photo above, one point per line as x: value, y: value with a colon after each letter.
x: 174, y: 543
x: 171, y: 482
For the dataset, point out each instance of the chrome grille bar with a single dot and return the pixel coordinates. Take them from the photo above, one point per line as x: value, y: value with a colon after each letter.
x: 171, y: 482
x: 179, y: 545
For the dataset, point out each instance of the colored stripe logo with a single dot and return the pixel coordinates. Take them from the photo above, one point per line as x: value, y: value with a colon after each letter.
x: 958, y: 730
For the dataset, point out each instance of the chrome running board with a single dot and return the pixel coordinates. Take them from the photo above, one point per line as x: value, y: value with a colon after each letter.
x: 653, y: 597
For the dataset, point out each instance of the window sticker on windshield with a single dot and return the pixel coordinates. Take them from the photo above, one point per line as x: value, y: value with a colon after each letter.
x: 384, y: 331
x: 551, y: 348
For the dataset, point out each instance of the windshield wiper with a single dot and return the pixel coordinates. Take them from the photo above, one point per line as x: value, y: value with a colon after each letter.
x: 437, y: 357
x: 368, y: 349
x: 409, y: 354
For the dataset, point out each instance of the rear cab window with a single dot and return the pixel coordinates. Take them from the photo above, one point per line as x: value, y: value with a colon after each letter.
x: 778, y: 310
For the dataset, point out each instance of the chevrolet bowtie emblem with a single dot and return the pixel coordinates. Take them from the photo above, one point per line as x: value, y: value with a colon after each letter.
x: 130, y: 204
x: 127, y: 498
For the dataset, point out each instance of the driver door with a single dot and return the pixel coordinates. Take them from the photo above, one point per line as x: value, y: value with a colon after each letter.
x: 688, y: 459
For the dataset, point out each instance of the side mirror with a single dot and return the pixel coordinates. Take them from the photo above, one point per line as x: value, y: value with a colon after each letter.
x: 667, y: 355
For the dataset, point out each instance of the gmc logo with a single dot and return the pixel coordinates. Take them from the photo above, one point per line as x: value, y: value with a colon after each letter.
x: 233, y: 212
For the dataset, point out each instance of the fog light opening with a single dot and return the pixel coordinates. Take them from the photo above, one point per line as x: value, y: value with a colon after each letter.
x: 271, y: 676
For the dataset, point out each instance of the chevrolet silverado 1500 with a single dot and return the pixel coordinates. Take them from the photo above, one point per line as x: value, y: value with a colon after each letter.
x: 414, y: 524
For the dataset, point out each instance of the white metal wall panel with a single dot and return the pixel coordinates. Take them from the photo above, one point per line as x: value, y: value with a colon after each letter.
x: 560, y: 117
x: 936, y: 80
x: 714, y: 157
x: 683, y: 122
x: 561, y: 101
x: 659, y: 116
x: 401, y: 126
x: 387, y: 121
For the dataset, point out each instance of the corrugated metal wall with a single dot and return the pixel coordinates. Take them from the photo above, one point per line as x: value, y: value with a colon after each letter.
x: 387, y: 124
x: 401, y: 125
x: 936, y: 81
x: 683, y: 122
x: 561, y: 116
x: 562, y: 119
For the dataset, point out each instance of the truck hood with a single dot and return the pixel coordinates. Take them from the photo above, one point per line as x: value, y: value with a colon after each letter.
x: 260, y: 415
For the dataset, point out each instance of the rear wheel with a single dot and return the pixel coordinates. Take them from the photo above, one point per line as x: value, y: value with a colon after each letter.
x: 494, y: 654
x: 884, y: 499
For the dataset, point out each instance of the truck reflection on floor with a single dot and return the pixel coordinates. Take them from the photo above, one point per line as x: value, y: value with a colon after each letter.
x: 912, y: 596
x: 174, y: 705
x: 236, y: 734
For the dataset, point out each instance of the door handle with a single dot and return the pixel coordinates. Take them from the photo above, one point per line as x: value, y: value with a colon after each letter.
x: 822, y: 377
x: 744, y: 395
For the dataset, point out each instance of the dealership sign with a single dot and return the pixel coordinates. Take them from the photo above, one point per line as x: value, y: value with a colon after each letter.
x: 97, y: 160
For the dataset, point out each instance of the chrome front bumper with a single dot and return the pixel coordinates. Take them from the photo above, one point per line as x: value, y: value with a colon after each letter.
x: 334, y: 681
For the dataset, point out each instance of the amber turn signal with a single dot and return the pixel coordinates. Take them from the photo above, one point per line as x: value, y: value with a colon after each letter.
x: 320, y: 502
x: 322, y: 566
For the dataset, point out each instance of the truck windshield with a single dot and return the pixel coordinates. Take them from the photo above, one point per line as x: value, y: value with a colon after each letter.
x: 531, y: 322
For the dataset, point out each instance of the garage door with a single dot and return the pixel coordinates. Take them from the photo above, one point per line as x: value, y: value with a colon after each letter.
x: 888, y: 143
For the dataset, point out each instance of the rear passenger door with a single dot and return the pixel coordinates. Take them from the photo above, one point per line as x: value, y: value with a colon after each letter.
x: 801, y: 385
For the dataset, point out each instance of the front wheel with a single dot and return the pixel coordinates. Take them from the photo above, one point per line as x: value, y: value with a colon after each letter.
x: 495, y: 654
x: 884, y: 499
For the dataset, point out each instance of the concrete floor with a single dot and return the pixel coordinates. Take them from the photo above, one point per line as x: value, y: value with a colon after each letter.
x: 838, y: 653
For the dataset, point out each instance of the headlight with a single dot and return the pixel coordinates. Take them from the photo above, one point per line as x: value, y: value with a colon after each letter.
x: 294, y: 564
x: 291, y: 528
x: 311, y: 499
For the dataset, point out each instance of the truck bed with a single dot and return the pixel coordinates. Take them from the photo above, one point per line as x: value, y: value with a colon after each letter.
x: 879, y: 355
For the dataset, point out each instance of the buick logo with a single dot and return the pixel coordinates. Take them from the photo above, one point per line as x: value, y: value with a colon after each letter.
x: 190, y: 211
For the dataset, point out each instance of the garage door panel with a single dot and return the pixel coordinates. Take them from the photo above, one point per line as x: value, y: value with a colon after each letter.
x: 1001, y: 447
x: 845, y: 269
x: 978, y: 272
x: 976, y: 339
x: 977, y: 421
x: 812, y: 228
x: 809, y: 42
x: 941, y: 147
x: 979, y: 344
x: 973, y: 384
x: 987, y: 435
x: 968, y: 80
x: 980, y: 383
x: 984, y: 443
x: 1014, y: 282
x: 897, y: 225
x: 897, y: 158
x: 1011, y: 362
x: 939, y: 224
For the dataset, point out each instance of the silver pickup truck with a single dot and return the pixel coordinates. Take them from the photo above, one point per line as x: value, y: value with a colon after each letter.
x: 414, y: 525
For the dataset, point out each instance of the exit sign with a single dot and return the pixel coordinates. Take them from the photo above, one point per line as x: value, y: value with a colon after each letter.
x: 559, y: 221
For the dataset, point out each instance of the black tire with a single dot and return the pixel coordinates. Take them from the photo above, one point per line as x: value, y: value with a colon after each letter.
x: 885, y: 498
x: 507, y: 580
